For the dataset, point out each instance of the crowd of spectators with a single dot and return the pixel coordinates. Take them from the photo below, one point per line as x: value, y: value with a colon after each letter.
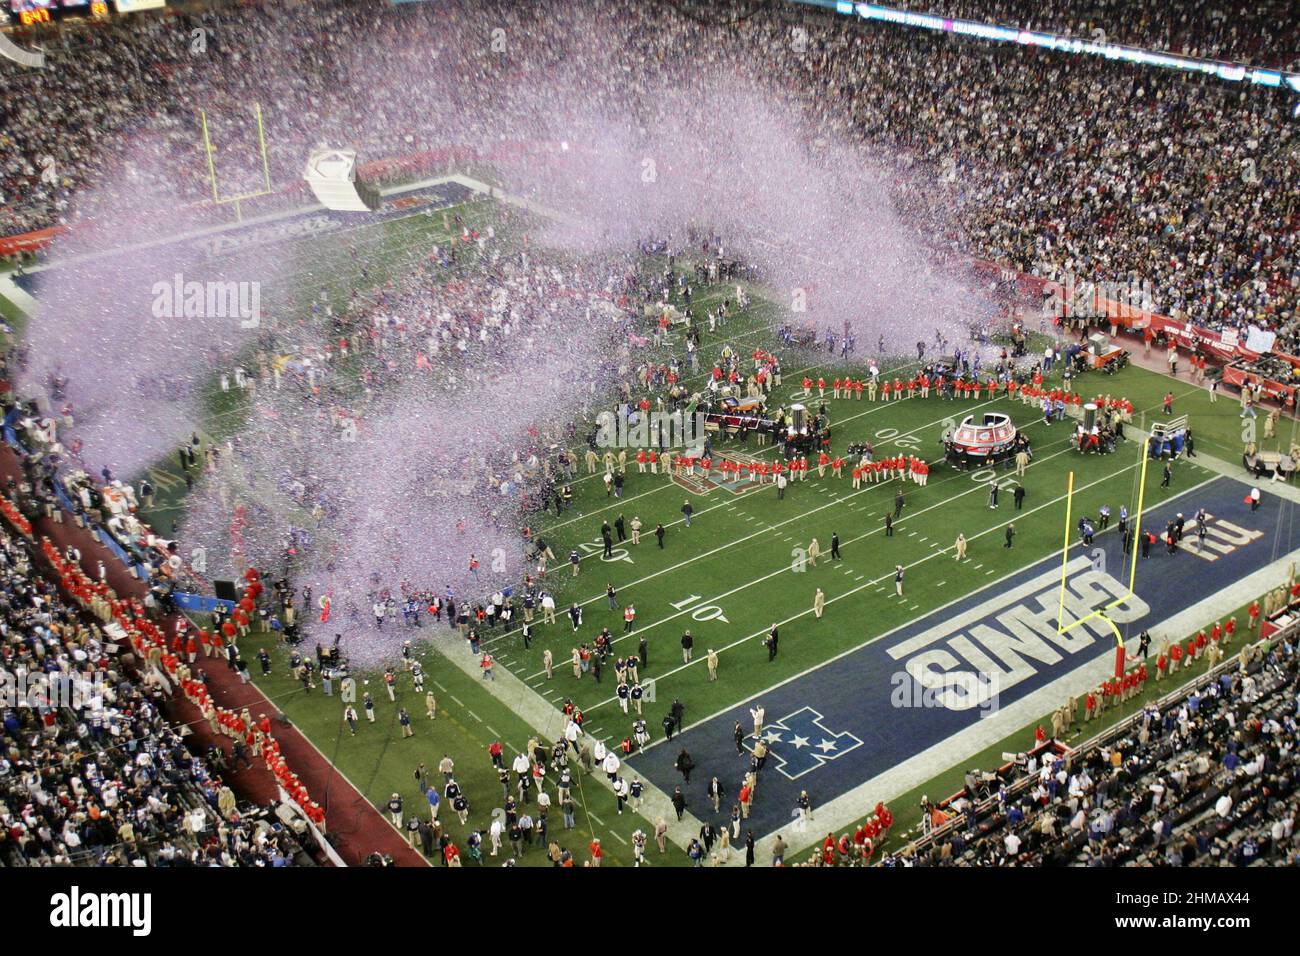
x: 92, y: 772
x: 1187, y: 190
x: 1207, y: 779
x: 441, y: 320
x: 1260, y: 34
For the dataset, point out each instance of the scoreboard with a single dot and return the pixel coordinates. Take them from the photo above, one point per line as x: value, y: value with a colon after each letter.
x: 33, y: 12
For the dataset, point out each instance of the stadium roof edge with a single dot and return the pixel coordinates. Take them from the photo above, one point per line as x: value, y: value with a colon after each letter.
x: 1224, y: 70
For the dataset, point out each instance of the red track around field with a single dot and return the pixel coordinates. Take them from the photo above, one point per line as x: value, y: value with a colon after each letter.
x: 356, y: 826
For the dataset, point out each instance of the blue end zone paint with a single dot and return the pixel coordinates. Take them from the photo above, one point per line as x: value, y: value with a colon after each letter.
x: 837, y: 726
x: 304, y: 225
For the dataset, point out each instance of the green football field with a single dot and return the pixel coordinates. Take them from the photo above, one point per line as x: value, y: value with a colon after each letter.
x: 740, y: 567
x: 732, y: 574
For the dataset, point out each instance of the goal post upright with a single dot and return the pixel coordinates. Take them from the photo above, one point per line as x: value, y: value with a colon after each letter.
x: 1137, y: 518
x: 1065, y: 550
x: 210, y: 153
x: 261, y: 142
x: 1102, y: 612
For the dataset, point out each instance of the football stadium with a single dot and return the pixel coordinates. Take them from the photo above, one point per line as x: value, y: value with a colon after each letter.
x: 665, y: 434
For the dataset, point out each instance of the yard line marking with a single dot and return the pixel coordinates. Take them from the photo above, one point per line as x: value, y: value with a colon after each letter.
x: 494, y: 733
x: 941, y: 584
x: 977, y: 488
x: 614, y: 834
x: 439, y: 686
x: 669, y: 484
x: 1068, y: 447
x: 475, y: 716
x: 887, y: 575
x: 830, y: 504
x: 458, y: 701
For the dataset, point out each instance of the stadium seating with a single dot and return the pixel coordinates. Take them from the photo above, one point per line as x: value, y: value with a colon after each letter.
x: 1045, y: 190
x: 97, y: 775
x: 1205, y: 777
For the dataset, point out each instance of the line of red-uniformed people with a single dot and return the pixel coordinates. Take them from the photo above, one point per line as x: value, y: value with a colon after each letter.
x: 898, y: 466
x: 859, y: 848
x: 961, y: 388
x: 1118, y: 689
x: 150, y: 644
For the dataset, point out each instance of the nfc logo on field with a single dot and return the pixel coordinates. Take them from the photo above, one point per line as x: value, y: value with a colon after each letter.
x: 799, y: 743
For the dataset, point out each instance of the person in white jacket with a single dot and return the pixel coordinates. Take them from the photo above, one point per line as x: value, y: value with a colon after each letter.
x: 494, y: 835
x: 610, y: 765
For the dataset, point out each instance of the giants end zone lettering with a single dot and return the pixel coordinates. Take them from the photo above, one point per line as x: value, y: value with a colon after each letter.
x: 996, y: 644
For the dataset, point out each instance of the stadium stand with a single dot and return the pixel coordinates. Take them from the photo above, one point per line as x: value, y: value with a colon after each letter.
x: 1261, y: 34
x: 1203, y: 777
x: 1047, y: 190
x: 91, y: 771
